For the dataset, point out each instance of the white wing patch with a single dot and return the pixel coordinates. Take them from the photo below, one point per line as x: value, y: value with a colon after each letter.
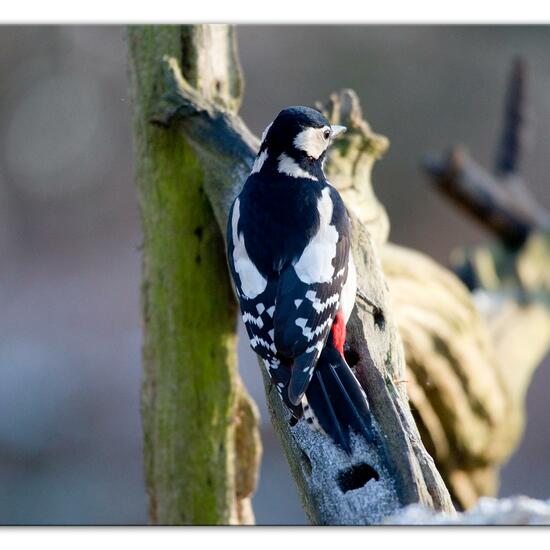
x: 312, y: 141
x: 308, y: 332
x: 315, y: 263
x: 248, y: 318
x: 311, y: 295
x: 258, y: 341
x: 321, y: 306
x: 291, y: 168
x: 252, y: 281
x: 318, y: 346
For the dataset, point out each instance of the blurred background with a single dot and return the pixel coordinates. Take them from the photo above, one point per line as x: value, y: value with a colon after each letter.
x: 70, y: 435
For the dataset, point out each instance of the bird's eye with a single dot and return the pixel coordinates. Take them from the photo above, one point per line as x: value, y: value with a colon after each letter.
x: 326, y: 134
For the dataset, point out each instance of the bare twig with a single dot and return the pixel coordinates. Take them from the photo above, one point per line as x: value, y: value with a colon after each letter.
x: 501, y: 201
x: 513, y: 138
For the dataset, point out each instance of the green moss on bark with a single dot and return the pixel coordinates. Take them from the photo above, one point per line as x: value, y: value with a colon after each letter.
x: 189, y: 346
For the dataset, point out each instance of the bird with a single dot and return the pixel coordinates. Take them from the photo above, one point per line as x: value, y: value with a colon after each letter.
x: 288, y: 250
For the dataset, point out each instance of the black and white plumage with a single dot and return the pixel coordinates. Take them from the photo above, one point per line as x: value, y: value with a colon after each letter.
x: 289, y: 255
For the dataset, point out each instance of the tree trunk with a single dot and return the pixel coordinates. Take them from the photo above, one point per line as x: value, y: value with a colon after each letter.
x: 201, y: 442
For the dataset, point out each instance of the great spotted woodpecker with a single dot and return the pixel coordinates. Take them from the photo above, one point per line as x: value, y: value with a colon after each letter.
x: 288, y: 246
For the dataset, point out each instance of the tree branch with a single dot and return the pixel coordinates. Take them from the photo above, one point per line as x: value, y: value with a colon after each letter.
x: 501, y: 202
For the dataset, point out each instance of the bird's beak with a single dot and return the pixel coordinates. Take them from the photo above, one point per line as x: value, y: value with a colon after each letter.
x: 336, y: 130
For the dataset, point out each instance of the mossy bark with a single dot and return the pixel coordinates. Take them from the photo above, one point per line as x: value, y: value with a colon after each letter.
x: 191, y: 391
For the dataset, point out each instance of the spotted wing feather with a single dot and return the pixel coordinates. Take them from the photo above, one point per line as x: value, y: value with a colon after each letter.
x: 257, y: 314
x: 305, y: 309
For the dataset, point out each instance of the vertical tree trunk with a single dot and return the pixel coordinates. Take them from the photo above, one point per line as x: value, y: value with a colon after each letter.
x: 201, y: 467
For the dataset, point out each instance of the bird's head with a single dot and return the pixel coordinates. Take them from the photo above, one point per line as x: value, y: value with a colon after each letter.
x: 295, y: 143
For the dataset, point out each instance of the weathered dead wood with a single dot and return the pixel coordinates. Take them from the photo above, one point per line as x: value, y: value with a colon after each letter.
x: 501, y: 201
x: 509, y: 282
x: 511, y: 290
x: 507, y: 208
x: 405, y: 471
x: 466, y: 377
x: 350, y: 161
x: 460, y: 413
x: 458, y: 393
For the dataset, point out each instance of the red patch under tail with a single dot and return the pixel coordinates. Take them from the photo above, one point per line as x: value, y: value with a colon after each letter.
x: 339, y: 333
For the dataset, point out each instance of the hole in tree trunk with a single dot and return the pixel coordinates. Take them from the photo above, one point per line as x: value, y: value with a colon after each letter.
x: 356, y: 477
x: 351, y: 356
x: 379, y: 319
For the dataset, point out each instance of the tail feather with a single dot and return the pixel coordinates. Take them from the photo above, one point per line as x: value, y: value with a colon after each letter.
x: 354, y: 394
x: 337, y: 400
x: 321, y: 404
x: 353, y: 400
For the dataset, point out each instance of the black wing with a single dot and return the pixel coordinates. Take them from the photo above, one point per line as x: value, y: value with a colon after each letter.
x: 257, y: 308
x: 257, y: 313
x: 305, y: 310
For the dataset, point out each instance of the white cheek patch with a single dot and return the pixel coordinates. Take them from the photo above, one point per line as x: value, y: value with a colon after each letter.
x: 252, y: 282
x: 312, y: 141
x: 291, y: 168
x: 315, y: 263
x: 259, y: 162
